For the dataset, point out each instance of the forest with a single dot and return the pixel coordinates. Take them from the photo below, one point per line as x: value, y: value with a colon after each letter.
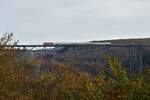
x: 19, y: 79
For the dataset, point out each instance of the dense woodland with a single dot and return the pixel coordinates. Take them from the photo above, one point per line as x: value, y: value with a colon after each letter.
x: 19, y: 80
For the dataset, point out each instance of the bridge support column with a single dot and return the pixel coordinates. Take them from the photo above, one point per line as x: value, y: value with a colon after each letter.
x: 135, y: 60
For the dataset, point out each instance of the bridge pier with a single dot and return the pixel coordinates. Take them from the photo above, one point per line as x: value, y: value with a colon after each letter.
x: 135, y: 60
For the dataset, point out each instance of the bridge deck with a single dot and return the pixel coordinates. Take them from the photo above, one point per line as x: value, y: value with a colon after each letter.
x: 72, y: 45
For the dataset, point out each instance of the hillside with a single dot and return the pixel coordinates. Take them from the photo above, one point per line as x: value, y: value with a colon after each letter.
x: 128, y: 41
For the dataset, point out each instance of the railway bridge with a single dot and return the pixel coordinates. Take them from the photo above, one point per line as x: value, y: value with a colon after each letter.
x: 135, y: 51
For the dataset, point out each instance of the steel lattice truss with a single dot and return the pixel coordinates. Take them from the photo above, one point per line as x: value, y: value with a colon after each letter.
x: 135, y: 51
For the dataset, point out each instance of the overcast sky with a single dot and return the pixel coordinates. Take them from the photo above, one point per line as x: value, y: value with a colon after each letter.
x: 35, y: 21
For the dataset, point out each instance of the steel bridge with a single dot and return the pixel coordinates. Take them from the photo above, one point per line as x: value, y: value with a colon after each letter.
x: 135, y: 51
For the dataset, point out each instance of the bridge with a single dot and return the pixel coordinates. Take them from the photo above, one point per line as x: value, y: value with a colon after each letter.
x: 78, y: 45
x: 135, y: 51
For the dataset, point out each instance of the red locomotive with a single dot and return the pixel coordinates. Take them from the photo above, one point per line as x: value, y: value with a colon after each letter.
x: 49, y: 43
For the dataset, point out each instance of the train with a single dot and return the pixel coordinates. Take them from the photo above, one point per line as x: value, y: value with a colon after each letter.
x: 48, y: 43
x: 74, y: 43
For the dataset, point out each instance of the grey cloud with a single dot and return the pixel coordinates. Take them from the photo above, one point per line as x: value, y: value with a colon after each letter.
x: 74, y: 20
